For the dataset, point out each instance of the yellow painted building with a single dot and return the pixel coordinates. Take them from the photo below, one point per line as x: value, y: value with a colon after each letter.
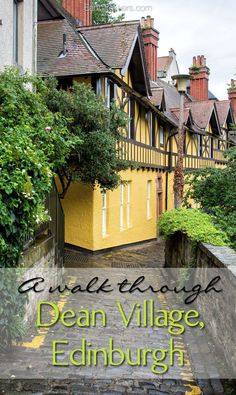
x: 116, y: 60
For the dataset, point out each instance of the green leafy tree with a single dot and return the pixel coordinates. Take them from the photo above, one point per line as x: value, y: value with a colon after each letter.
x: 33, y: 141
x: 103, y: 12
x: 215, y: 190
x: 43, y: 132
x: 96, y: 162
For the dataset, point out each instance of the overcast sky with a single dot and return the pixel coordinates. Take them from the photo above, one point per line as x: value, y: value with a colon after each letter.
x: 194, y: 27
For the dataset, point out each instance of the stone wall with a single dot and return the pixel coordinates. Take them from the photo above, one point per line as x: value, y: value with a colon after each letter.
x: 179, y: 251
x: 40, y: 261
x: 182, y: 252
x: 218, y: 311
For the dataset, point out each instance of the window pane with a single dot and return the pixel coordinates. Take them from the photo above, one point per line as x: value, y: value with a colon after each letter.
x: 15, y: 31
x: 99, y: 87
x: 162, y: 140
x: 104, y: 213
x: 129, y: 204
x: 149, y: 199
x: 122, y: 206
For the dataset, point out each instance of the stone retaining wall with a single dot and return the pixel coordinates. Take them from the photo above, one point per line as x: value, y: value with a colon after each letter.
x: 219, y: 313
x: 40, y: 261
x: 182, y: 252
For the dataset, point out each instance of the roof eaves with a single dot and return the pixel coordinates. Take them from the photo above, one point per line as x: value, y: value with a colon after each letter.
x: 144, y: 63
x: 217, y: 118
x: 126, y: 66
x: 143, y: 99
x: 108, y: 25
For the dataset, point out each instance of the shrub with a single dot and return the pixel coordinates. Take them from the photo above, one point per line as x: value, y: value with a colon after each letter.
x: 197, y: 225
x: 215, y: 190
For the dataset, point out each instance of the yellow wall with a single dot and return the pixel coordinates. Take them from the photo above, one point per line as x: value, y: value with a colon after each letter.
x: 78, y: 210
x: 83, y: 205
x: 83, y: 213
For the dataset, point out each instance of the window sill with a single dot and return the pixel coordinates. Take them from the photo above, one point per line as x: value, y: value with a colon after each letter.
x: 105, y: 236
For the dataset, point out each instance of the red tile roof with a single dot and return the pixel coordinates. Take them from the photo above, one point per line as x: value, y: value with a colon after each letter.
x: 157, y: 96
x: 112, y: 42
x: 201, y: 112
x: 223, y: 108
x: 187, y: 113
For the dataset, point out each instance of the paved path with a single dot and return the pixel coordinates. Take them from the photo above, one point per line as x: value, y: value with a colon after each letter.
x: 34, y: 354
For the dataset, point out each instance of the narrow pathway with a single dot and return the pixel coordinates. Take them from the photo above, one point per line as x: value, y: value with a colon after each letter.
x: 34, y: 354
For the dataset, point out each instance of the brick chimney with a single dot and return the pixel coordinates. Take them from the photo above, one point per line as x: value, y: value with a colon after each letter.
x: 81, y: 10
x: 232, y: 95
x: 200, y: 76
x: 150, y: 38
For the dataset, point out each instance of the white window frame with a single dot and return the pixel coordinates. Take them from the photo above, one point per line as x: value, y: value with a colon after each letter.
x: 104, y: 213
x: 149, y: 188
x: 108, y: 92
x: 98, y: 87
x: 115, y: 91
x: 122, y: 207
x: 162, y: 136
x: 129, y: 204
x: 15, y: 31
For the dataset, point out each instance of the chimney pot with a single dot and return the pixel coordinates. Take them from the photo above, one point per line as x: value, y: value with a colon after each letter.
x: 199, y: 82
x: 198, y: 60
x: 232, y: 96
x: 150, y: 39
x: 172, y: 52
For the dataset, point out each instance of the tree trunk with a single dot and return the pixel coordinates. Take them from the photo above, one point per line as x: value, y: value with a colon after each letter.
x: 179, y: 169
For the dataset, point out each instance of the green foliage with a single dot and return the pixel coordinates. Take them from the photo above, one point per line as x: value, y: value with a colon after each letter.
x: 229, y: 387
x: 215, y: 190
x: 103, y: 12
x: 12, y: 310
x: 33, y: 142
x: 96, y: 162
x: 45, y: 131
x: 198, y: 226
